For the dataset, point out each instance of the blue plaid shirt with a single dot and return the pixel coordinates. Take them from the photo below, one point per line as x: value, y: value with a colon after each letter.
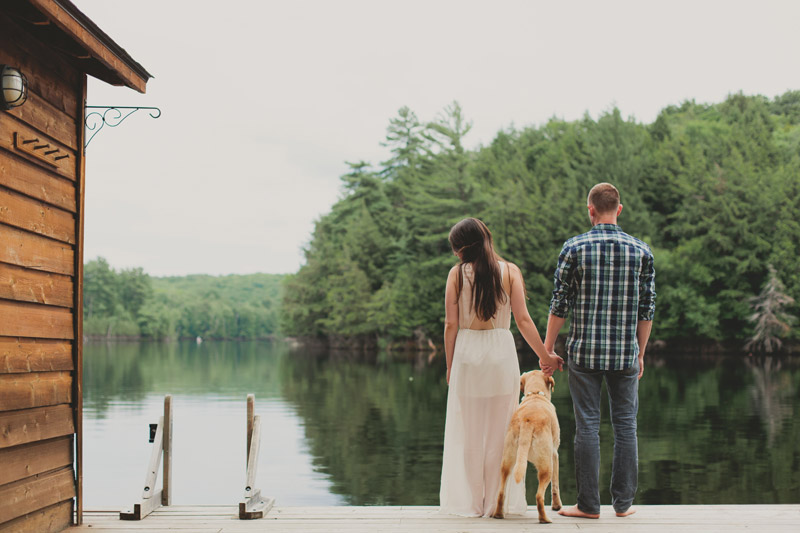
x: 607, y: 278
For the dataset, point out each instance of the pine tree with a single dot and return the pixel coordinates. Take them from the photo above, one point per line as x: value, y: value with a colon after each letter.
x: 770, y: 319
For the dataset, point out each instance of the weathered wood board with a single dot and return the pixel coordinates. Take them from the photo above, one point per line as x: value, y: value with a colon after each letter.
x: 27, y: 178
x: 649, y: 518
x: 32, y: 320
x: 48, y: 520
x: 10, y: 128
x: 25, y: 249
x: 37, y: 217
x: 20, y: 462
x: 36, y: 492
x: 47, y: 119
x: 34, y: 389
x: 32, y: 425
x: 34, y: 355
x: 26, y: 285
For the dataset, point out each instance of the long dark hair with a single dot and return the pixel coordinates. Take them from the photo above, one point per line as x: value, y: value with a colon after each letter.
x: 472, y: 241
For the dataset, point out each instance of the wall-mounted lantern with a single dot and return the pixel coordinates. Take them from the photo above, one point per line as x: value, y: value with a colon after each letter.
x: 15, y: 87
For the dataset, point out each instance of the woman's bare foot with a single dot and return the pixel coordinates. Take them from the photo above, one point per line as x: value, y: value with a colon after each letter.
x: 574, y: 511
x: 629, y: 512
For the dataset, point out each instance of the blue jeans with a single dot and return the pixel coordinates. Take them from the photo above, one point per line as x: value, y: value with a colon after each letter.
x: 623, y: 397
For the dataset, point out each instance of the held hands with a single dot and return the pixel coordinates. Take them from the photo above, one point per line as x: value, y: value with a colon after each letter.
x: 550, y: 363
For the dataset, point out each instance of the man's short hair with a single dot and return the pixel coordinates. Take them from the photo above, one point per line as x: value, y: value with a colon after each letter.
x: 604, y: 197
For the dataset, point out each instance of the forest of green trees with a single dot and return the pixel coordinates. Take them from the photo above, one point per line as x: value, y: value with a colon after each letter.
x: 130, y: 303
x: 714, y: 189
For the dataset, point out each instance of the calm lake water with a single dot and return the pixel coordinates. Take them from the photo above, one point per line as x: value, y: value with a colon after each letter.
x: 350, y: 429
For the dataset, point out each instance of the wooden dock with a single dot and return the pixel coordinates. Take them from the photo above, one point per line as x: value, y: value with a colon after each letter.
x: 418, y: 519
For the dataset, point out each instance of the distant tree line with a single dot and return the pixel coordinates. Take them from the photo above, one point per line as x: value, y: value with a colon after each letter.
x: 715, y: 190
x: 130, y: 303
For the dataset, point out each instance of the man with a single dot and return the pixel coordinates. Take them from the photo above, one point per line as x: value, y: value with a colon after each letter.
x: 607, y: 278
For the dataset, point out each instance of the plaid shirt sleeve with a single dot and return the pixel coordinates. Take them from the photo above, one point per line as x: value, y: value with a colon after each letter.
x: 564, y: 292
x: 647, y: 289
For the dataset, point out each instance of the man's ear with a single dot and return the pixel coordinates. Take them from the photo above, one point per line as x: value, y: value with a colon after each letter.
x: 552, y: 383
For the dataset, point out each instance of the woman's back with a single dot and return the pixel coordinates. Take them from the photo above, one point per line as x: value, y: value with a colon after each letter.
x: 483, y: 374
x: 467, y: 317
x: 484, y: 391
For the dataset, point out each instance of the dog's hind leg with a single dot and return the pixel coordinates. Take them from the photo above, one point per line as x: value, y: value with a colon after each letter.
x: 555, y: 493
x: 544, y: 481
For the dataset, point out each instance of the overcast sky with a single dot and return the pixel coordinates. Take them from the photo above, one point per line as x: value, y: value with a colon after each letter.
x: 264, y: 101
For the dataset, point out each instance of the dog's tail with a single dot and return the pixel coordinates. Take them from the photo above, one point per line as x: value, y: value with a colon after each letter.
x: 523, y: 447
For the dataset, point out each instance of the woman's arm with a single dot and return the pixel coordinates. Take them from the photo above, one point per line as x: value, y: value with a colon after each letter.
x: 525, y: 323
x: 450, y: 317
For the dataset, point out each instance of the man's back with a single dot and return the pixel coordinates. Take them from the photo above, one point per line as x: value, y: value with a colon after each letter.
x: 607, y: 278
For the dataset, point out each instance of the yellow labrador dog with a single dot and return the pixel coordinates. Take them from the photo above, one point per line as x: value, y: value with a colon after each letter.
x: 533, y: 435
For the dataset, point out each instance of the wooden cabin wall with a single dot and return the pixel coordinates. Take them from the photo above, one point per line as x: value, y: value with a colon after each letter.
x: 40, y: 284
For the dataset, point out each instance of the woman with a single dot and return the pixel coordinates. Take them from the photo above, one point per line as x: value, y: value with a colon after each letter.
x: 482, y: 372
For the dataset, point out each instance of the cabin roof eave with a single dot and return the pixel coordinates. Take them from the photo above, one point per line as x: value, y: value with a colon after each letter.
x: 107, y: 60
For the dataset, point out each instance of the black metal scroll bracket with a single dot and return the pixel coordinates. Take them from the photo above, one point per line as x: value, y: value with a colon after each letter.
x: 112, y: 116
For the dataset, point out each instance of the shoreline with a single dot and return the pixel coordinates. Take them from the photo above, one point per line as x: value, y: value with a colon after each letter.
x: 698, y: 347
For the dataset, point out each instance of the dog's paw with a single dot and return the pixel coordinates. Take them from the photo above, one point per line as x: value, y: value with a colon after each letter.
x: 545, y: 520
x: 556, y: 507
x: 499, y: 515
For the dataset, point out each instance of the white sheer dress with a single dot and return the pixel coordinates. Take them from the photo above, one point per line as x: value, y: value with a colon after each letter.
x: 483, y: 394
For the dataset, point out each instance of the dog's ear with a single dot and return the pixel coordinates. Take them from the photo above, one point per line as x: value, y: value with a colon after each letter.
x: 552, y: 383
x: 522, y: 383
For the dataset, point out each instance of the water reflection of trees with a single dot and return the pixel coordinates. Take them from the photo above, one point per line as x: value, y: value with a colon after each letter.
x: 374, y: 424
x: 711, y: 430
x: 377, y: 434
x: 128, y: 372
x: 702, y: 441
x: 771, y: 393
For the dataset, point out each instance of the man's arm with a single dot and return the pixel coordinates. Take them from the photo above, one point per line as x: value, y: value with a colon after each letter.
x: 643, y: 328
x: 554, y: 324
x: 647, y: 307
x: 560, y: 303
x: 563, y: 283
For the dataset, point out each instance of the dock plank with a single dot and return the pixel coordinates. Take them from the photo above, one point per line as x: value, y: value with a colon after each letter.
x: 419, y: 519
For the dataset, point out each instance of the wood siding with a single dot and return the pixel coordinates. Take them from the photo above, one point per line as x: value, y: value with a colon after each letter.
x: 47, y: 519
x: 40, y: 251
x: 32, y: 355
x: 38, y: 458
x: 36, y: 492
x: 27, y: 285
x: 33, y: 425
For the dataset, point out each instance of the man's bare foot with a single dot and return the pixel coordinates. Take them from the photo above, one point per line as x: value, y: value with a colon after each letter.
x: 574, y: 511
x: 629, y: 512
